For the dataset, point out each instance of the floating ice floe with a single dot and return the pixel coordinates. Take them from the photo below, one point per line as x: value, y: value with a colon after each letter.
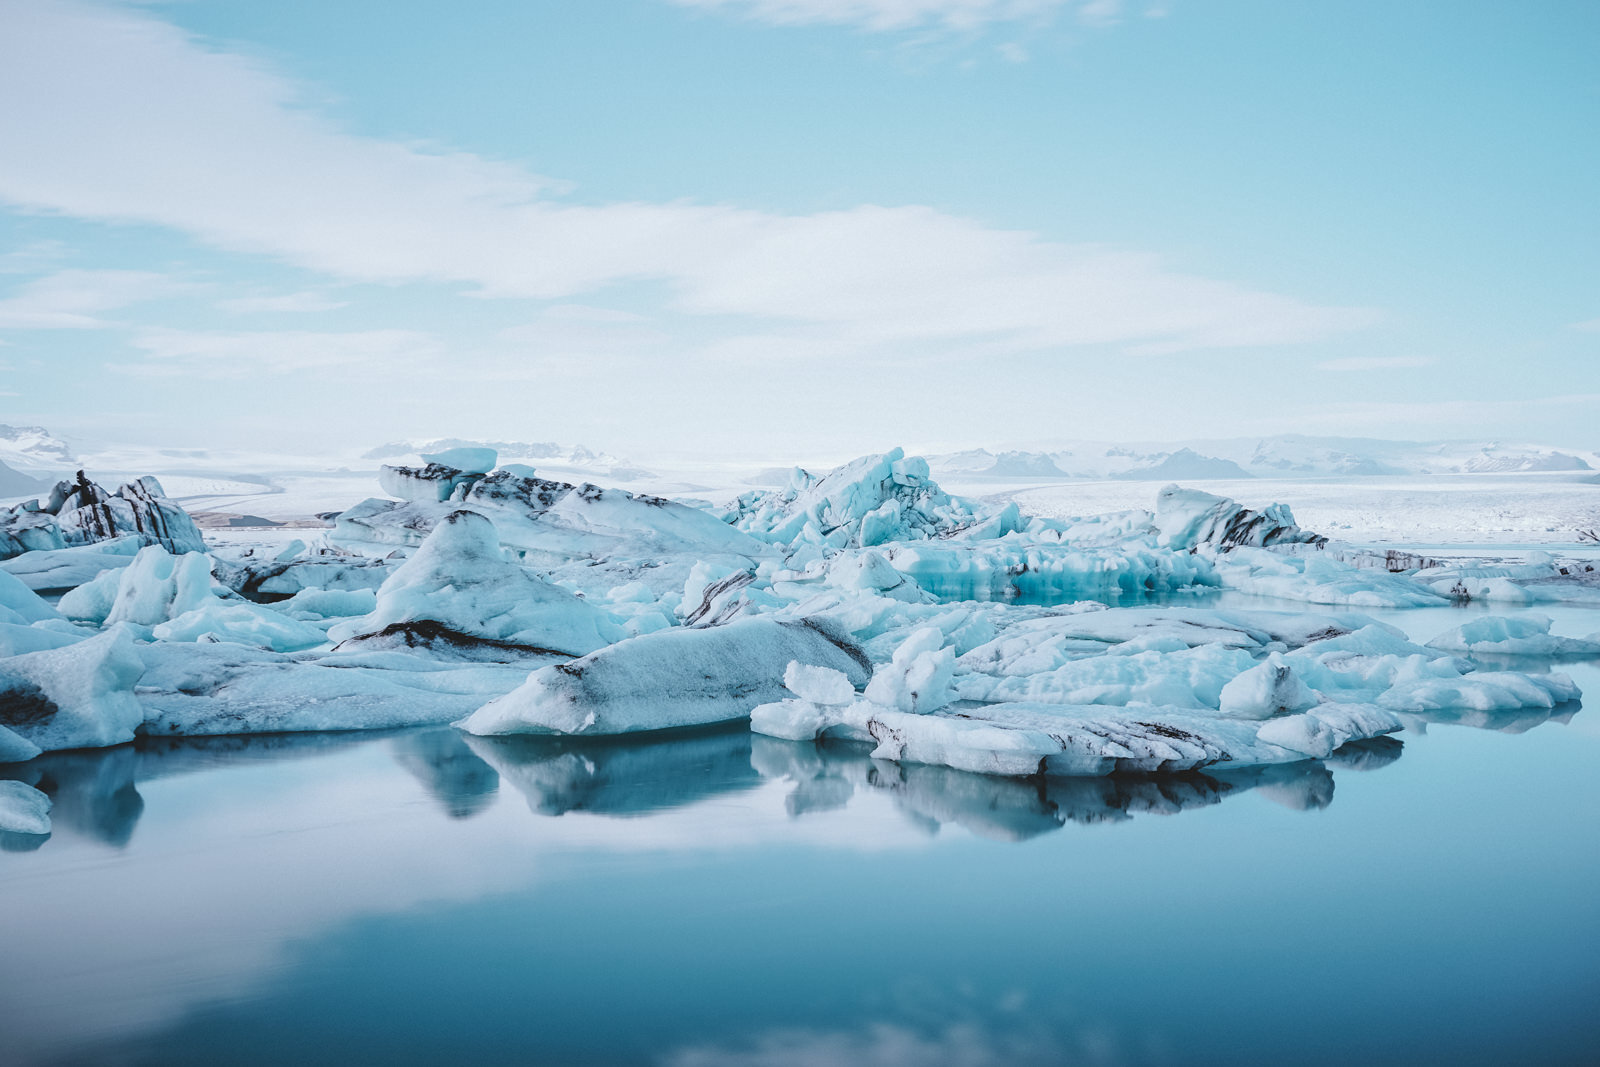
x: 1025, y: 739
x: 1540, y: 579
x: 1521, y: 635
x: 673, y: 678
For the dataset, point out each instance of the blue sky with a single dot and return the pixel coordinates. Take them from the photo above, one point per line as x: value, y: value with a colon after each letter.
x: 798, y: 227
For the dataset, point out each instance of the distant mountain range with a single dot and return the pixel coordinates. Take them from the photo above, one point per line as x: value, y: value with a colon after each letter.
x: 535, y: 453
x: 1288, y: 455
x: 31, y: 458
x: 34, y: 451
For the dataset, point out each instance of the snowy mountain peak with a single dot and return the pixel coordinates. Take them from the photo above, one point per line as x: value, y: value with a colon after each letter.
x: 34, y: 450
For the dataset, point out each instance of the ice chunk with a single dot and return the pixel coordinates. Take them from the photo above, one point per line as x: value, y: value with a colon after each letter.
x: 870, y: 501
x: 680, y: 677
x: 1482, y: 691
x: 155, y: 587
x: 918, y: 678
x: 1266, y: 690
x: 310, y: 604
x: 1520, y: 635
x: 80, y: 696
x: 1319, y: 732
x: 431, y: 484
x: 1318, y: 579
x: 1187, y: 678
x: 27, y: 529
x: 820, y: 685
x: 458, y: 589
x: 222, y: 688
x: 277, y: 578
x: 241, y: 623
x: 1031, y: 739
x: 469, y: 460
x: 60, y: 569
x: 1187, y: 517
x: 553, y: 522
x: 87, y: 513
x: 16, y: 639
x: 23, y: 809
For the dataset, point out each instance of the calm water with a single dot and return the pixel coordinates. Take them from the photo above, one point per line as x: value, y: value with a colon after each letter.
x: 726, y: 899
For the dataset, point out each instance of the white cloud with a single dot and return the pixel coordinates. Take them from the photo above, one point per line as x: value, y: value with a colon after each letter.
x: 1591, y: 326
x: 216, y: 354
x: 906, y: 14
x: 1368, y: 363
x: 287, y: 302
x: 71, y: 299
x: 107, y: 113
x: 1429, y: 416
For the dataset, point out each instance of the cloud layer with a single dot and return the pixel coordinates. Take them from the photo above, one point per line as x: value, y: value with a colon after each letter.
x: 110, y: 114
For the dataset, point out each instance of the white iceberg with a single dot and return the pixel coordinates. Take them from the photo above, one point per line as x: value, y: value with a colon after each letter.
x: 458, y: 591
x: 1023, y: 739
x: 79, y: 696
x: 1514, y: 635
x: 679, y: 677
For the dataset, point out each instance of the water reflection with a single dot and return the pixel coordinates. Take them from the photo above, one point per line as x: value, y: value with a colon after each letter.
x: 621, y: 776
x: 462, y: 783
x: 826, y: 777
x: 95, y: 794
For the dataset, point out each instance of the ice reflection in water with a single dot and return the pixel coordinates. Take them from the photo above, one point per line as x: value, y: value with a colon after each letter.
x: 714, y: 897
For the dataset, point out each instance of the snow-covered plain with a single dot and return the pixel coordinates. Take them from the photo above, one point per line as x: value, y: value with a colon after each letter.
x: 869, y: 603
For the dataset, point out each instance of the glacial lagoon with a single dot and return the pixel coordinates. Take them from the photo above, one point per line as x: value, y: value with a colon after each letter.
x: 718, y: 897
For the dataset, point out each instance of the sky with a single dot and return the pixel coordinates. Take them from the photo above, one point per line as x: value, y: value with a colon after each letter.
x: 783, y: 228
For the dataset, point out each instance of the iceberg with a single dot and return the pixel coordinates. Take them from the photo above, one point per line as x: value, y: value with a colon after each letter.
x: 1028, y: 739
x: 79, y: 696
x: 241, y: 623
x: 1188, y: 518
x: 458, y: 593
x: 551, y: 523
x: 87, y: 513
x: 155, y: 587
x: 1521, y: 635
x: 870, y: 501
x: 672, y: 678
x: 211, y: 688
